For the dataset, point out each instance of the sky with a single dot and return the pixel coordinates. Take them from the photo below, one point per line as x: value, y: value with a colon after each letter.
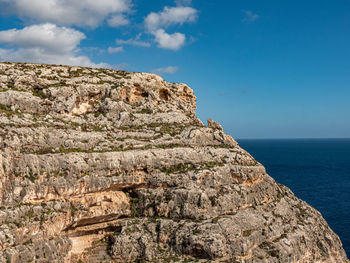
x: 263, y: 69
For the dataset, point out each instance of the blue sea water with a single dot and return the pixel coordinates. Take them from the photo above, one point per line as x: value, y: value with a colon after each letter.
x: 316, y: 170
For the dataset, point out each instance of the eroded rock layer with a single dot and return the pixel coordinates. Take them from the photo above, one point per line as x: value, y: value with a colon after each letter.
x: 109, y: 166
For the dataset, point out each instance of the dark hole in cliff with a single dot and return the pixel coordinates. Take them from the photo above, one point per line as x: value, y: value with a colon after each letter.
x: 110, y: 242
x: 164, y: 94
x: 158, y: 232
x: 114, y: 229
x: 108, y: 229
x: 140, y: 91
x: 212, y: 200
x: 131, y: 192
x: 135, y: 207
x: 273, y: 253
x: 198, y: 252
x: 38, y: 92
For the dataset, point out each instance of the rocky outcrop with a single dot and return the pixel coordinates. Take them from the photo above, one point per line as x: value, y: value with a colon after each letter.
x: 109, y: 166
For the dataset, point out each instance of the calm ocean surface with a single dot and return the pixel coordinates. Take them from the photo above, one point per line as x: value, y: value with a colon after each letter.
x: 316, y: 170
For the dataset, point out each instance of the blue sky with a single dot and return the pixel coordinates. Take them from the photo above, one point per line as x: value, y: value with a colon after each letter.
x: 263, y: 69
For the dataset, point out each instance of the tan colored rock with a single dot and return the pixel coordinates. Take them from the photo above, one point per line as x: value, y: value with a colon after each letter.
x: 214, y: 125
x: 99, y: 165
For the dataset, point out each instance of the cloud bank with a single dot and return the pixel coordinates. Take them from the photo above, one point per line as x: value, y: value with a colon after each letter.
x: 67, y: 12
x: 44, y: 43
x: 52, y: 35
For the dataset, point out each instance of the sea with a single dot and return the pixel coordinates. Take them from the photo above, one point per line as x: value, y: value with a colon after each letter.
x: 316, y: 170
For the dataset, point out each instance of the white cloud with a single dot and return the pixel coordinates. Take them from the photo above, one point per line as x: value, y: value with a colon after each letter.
x: 169, y: 41
x: 44, y: 43
x: 112, y: 50
x: 134, y: 42
x: 170, y: 16
x: 118, y: 20
x: 156, y: 23
x: 47, y: 36
x: 250, y: 17
x: 66, y: 12
x: 167, y: 70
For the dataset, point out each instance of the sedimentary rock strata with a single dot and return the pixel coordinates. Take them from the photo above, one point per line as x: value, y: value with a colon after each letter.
x: 99, y: 165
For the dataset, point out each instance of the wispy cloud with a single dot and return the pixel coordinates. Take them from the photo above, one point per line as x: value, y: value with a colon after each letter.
x: 112, y: 50
x: 118, y: 21
x: 166, y: 70
x: 134, y: 42
x: 250, y: 17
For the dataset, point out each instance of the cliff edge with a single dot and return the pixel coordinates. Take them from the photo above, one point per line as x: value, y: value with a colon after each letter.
x: 99, y: 165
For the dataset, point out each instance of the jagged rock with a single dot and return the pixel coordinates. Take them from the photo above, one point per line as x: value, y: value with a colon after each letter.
x: 108, y: 166
x: 213, y: 124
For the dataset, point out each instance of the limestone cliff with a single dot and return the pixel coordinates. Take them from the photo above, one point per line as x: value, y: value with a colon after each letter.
x: 109, y: 166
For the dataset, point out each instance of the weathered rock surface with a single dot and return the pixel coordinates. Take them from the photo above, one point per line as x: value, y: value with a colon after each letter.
x: 110, y: 166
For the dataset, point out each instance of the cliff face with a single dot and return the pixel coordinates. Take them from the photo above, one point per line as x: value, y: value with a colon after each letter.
x: 110, y: 166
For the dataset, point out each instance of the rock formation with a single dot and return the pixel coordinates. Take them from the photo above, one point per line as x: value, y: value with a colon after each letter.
x: 99, y: 165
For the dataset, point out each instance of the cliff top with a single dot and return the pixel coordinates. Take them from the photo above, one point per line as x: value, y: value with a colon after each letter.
x: 85, y: 87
